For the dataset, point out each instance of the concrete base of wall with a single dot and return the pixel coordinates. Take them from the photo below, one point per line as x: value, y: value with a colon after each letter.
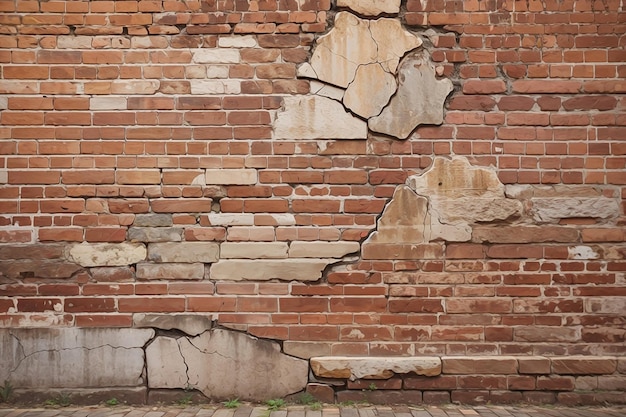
x: 90, y: 366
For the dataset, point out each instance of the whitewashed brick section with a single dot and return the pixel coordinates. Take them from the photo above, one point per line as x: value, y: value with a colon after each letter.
x: 254, y: 250
x: 215, y: 87
x: 280, y: 219
x: 195, y: 71
x: 170, y: 271
x: 231, y: 176
x: 216, y: 56
x: 4, y: 176
x: 246, y: 41
x: 322, y: 249
x: 231, y: 219
x: 107, y: 103
x: 134, y: 87
x: 185, y: 252
x: 217, y: 71
x: 74, y: 42
x: 264, y: 270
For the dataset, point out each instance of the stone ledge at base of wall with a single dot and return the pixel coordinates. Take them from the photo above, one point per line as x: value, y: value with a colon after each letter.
x: 567, y: 380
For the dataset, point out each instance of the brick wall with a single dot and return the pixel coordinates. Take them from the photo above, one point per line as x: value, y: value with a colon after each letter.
x: 128, y: 125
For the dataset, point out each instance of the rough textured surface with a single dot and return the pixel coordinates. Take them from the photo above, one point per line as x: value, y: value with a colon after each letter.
x: 223, y: 364
x: 48, y: 358
x: 107, y: 254
x: 461, y: 193
x: 404, y: 220
x: 444, y: 202
x: 373, y: 368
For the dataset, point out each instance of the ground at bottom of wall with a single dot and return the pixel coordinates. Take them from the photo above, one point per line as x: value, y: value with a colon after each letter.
x: 235, y: 409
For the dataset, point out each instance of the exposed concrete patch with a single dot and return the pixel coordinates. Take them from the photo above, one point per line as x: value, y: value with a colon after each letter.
x: 73, y: 357
x: 224, y: 364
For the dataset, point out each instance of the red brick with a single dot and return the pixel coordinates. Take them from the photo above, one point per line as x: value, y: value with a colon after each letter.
x: 88, y: 305
x: 105, y: 234
x: 39, y: 305
x: 212, y: 304
x: 147, y: 304
x: 484, y: 87
x: 545, y: 86
x: 415, y: 306
x: 104, y: 320
x: 188, y: 205
x: 555, y: 383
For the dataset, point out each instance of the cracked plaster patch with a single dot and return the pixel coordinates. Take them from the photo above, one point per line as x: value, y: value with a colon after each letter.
x: 419, y: 99
x: 373, y: 81
x: 316, y: 117
x: 48, y: 358
x: 225, y: 364
x: 363, y: 63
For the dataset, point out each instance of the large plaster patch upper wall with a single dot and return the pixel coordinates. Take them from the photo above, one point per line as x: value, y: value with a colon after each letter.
x: 373, y: 75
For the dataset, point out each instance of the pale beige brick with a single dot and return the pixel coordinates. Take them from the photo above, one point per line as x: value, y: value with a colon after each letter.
x: 254, y: 250
x: 231, y: 176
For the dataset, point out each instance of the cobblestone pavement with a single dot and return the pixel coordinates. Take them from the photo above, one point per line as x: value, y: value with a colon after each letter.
x: 326, y: 411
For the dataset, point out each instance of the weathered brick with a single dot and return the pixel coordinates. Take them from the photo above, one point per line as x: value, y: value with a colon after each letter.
x: 173, y: 271
x: 479, y: 365
x: 583, y: 365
